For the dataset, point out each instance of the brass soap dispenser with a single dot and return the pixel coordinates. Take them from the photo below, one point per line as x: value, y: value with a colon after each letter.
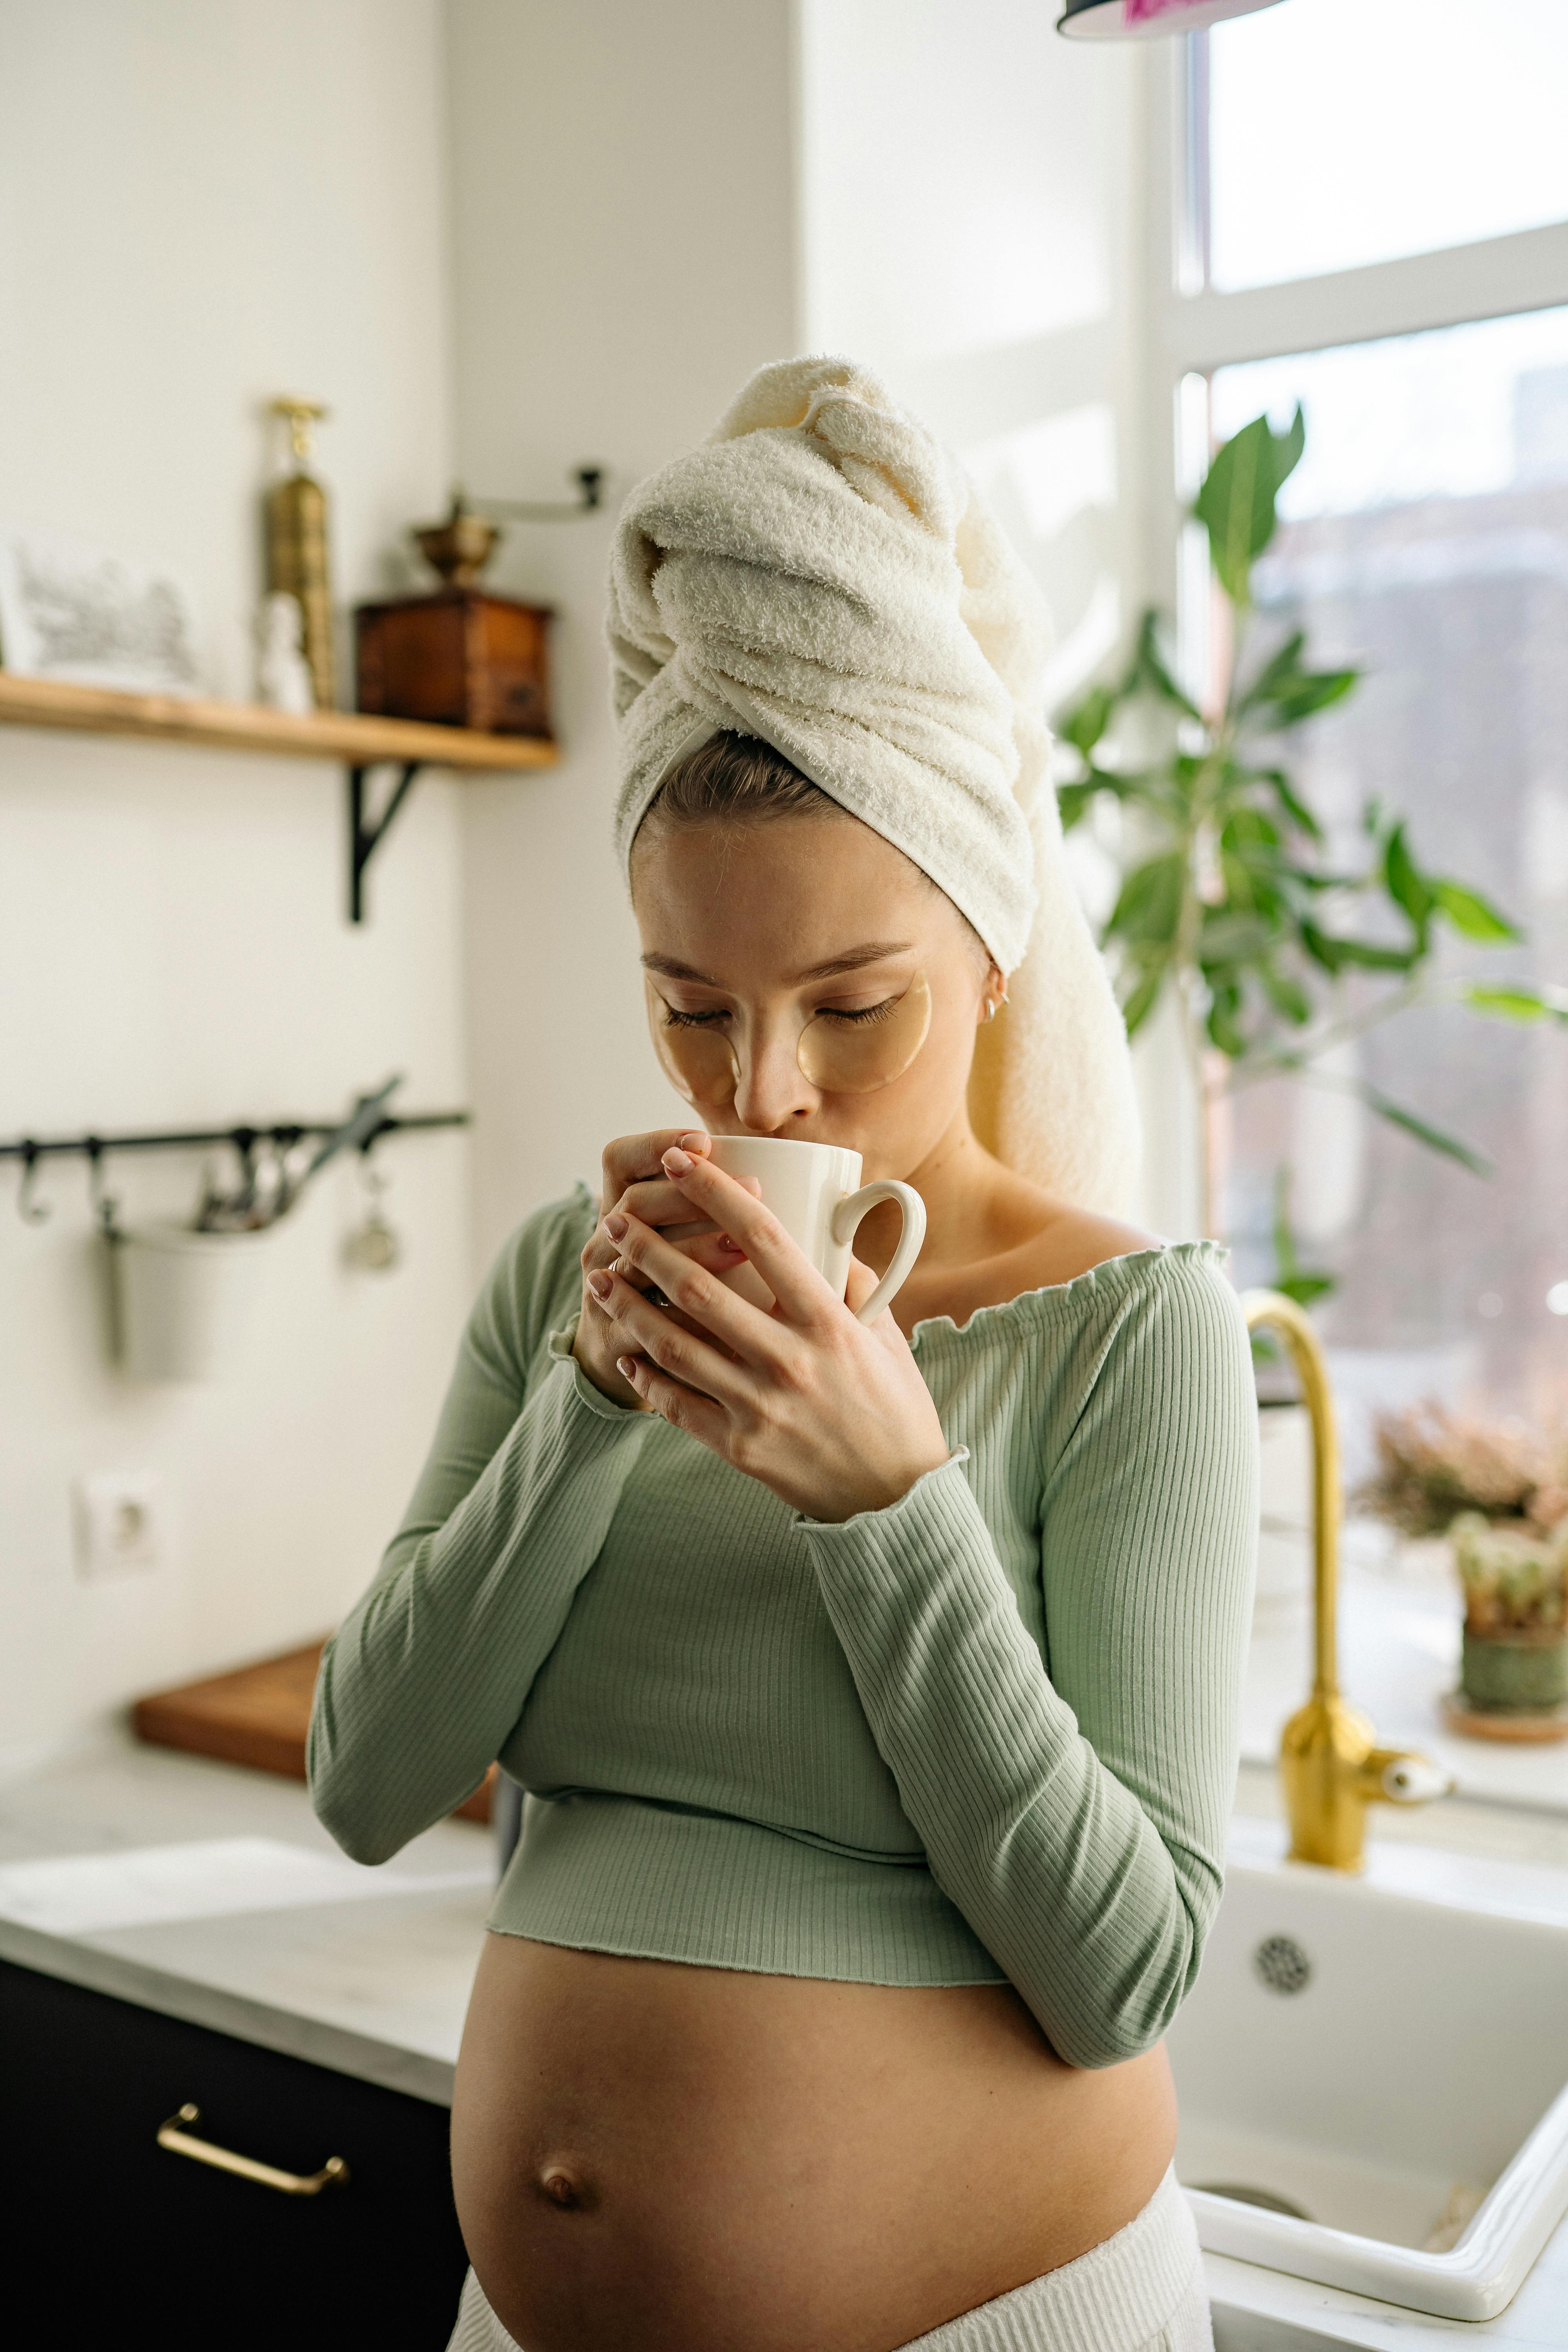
x: 297, y: 544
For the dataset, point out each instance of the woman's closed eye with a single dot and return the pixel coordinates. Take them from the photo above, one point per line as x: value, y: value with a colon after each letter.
x: 710, y: 1016
x: 675, y: 1019
x: 864, y: 1017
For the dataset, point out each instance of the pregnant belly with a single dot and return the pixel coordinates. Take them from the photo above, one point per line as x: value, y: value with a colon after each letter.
x: 654, y: 2154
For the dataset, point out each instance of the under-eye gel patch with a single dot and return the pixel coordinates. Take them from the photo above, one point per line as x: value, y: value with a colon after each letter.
x: 855, y: 1052
x: 694, y: 1053
x: 841, y: 1052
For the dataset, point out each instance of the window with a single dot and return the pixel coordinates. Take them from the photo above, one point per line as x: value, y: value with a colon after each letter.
x: 1425, y: 540
x: 1347, y: 132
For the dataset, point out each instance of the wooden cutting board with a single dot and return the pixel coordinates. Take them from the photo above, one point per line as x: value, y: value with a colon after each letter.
x: 257, y: 1716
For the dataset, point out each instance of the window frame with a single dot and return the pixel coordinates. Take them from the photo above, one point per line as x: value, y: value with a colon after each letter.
x: 1193, y: 329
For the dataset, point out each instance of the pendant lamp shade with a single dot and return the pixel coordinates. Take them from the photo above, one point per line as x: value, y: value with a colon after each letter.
x: 1137, y: 20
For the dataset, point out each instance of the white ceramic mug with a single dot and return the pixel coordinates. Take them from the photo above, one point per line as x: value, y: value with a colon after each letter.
x: 814, y: 1192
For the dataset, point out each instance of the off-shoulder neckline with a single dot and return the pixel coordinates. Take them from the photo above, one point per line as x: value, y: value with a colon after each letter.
x: 1052, y: 1297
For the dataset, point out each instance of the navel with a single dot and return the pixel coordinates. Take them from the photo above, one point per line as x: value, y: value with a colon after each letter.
x: 565, y: 2183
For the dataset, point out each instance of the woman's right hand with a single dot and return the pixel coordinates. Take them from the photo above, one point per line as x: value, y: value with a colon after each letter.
x: 635, y: 1184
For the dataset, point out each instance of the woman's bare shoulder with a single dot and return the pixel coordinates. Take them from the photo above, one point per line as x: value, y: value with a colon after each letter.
x: 1029, y: 1241
x: 1065, y: 1241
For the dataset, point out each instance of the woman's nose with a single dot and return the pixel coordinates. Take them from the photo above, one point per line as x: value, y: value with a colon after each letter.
x: 773, y: 1089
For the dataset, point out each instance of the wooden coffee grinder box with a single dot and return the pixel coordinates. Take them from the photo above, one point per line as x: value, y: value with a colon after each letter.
x: 460, y: 657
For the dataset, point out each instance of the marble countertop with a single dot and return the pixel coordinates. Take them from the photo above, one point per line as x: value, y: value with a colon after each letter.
x: 211, y: 1893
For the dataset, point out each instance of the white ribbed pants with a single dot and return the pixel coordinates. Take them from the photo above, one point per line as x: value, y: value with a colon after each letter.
x: 1142, y: 2291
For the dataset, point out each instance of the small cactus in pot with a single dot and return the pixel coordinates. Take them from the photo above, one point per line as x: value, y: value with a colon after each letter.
x: 1516, y: 1620
x: 1498, y: 1492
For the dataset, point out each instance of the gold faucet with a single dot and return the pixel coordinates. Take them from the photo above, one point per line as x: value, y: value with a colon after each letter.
x: 1330, y: 1762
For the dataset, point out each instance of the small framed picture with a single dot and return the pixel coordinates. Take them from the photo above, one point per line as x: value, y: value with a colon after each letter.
x: 79, y: 613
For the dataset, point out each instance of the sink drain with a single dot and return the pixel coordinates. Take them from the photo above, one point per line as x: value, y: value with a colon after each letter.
x: 1281, y: 1964
x: 1241, y: 2195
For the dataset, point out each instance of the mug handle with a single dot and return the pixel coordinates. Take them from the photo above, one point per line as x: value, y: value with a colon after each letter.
x: 847, y: 1217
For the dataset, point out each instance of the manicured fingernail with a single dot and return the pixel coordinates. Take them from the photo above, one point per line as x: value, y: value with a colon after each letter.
x: 733, y: 1247
x: 627, y: 1367
x: 697, y: 1142
x: 676, y: 1163
x: 600, y: 1284
x: 615, y: 1226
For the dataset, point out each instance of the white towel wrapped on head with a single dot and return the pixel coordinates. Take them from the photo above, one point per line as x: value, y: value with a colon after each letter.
x: 821, y: 573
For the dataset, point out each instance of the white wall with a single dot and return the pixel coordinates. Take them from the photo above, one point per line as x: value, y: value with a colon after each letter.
x: 200, y: 206
x: 976, y: 194
x: 624, y: 238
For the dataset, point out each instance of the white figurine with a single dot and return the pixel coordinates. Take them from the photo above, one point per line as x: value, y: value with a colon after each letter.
x: 282, y: 672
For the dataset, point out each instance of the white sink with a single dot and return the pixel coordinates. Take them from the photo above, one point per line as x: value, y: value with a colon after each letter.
x: 1388, y: 2057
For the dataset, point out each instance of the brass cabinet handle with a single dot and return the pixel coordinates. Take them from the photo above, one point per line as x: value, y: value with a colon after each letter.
x: 292, y: 2184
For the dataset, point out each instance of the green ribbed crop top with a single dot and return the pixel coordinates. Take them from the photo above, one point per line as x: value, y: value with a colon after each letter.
x: 985, y: 1734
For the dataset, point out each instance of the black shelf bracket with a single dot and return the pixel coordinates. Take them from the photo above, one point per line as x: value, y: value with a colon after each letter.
x: 365, y: 839
x: 590, y: 481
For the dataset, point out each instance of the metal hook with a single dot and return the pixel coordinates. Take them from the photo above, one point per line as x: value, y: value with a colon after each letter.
x: 32, y: 1212
x: 374, y: 1247
x: 104, y: 1205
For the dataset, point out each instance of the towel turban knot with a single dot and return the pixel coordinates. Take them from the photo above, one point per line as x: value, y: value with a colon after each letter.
x: 821, y: 573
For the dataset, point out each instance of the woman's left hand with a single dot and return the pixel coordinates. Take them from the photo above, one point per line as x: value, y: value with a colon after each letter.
x: 829, y: 1413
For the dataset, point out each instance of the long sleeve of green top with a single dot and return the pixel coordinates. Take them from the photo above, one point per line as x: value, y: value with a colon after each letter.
x: 429, y: 1674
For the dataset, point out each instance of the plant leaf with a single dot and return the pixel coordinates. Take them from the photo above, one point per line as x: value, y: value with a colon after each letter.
x: 1279, y: 666
x: 1295, y: 808
x: 1292, y: 692
x: 1304, y: 1288
x: 1315, y: 689
x: 1150, y: 669
x: 1223, y: 1027
x: 1404, y: 882
x: 1246, y: 828
x: 1236, y: 504
x: 1517, y: 1001
x: 1143, y: 999
x: 1289, y: 1275
x: 1473, y: 917
x: 1334, y: 954
x: 1230, y: 935
x: 1436, y: 1138
x: 1287, y: 996
x: 1150, y: 905
x: 1085, y: 724
x: 1072, y: 802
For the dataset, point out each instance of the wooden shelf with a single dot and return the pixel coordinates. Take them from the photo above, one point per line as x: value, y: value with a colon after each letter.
x: 345, y: 736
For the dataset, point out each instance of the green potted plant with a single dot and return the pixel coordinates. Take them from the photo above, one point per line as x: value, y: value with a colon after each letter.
x: 1229, y: 902
x: 1496, y: 1494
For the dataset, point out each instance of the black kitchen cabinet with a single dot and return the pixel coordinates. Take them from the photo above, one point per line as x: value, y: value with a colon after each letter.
x: 112, y: 2239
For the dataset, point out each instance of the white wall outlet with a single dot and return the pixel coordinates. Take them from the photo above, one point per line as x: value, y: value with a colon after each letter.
x: 118, y: 1522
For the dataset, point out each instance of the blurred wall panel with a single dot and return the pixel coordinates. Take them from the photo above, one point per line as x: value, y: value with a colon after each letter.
x: 625, y: 208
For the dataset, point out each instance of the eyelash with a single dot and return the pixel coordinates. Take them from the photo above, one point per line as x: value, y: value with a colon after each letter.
x: 675, y: 1019
x: 872, y: 1012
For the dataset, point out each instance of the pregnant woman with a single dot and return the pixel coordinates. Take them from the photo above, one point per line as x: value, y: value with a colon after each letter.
x: 874, y: 1683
